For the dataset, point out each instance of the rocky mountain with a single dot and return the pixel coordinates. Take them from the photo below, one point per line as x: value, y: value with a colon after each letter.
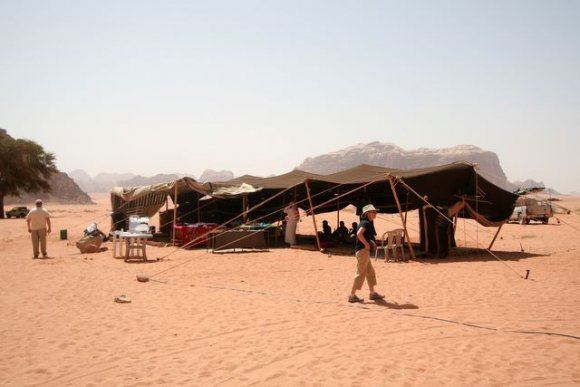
x: 138, y: 181
x: 391, y: 156
x: 215, y: 176
x: 529, y: 183
x: 103, y: 182
x: 63, y: 190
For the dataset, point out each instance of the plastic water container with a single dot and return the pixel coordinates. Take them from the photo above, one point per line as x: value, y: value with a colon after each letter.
x: 133, y: 223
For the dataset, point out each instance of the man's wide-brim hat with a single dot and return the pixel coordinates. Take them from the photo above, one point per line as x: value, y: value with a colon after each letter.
x: 368, y: 208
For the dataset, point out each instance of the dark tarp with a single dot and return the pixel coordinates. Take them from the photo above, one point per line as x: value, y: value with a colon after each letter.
x: 220, y: 209
x: 444, y: 186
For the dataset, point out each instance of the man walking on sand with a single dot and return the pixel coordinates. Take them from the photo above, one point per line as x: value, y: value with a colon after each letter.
x: 38, y: 221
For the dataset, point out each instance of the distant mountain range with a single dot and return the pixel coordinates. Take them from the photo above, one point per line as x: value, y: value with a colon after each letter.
x: 374, y: 153
x: 73, y: 187
x: 104, y: 182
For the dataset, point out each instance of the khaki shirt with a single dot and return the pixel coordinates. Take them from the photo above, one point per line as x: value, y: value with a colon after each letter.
x: 37, y: 218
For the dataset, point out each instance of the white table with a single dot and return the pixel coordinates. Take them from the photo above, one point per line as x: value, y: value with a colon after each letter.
x: 135, y: 245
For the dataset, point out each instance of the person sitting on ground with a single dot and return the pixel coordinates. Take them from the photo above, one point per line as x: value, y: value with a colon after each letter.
x: 341, y: 233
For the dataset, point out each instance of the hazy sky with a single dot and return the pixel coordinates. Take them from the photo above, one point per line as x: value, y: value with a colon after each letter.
x: 257, y: 86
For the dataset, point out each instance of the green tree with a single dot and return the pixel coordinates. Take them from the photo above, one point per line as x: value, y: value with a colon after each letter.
x: 24, y: 167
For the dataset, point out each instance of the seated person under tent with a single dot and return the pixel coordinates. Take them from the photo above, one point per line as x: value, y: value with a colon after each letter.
x: 340, y: 235
x: 326, y: 234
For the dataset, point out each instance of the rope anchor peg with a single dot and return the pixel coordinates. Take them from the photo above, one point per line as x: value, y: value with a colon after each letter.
x: 142, y: 278
x: 527, y: 274
x: 146, y: 278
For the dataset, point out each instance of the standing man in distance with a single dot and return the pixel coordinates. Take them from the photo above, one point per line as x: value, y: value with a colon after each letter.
x: 38, y: 221
x: 292, y: 217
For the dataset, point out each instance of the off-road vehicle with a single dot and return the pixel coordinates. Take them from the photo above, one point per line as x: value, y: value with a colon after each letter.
x: 527, y: 209
x: 17, y: 212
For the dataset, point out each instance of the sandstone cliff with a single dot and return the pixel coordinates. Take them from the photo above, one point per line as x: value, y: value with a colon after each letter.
x: 63, y: 189
x: 391, y: 156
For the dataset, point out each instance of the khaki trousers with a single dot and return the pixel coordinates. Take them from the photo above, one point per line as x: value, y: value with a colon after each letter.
x: 364, y: 269
x: 38, y: 237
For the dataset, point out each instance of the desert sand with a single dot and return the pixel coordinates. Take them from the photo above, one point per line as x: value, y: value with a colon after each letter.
x: 281, y: 317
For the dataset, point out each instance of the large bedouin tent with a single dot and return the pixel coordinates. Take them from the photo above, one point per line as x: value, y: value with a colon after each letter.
x: 450, y: 190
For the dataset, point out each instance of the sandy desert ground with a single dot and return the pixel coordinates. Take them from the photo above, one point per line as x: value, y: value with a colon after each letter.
x: 280, y: 318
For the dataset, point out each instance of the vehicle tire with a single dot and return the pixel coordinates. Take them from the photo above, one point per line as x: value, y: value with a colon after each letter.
x: 545, y: 220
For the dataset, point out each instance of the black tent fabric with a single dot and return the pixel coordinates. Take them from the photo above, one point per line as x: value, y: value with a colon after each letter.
x: 435, y: 232
x: 442, y: 186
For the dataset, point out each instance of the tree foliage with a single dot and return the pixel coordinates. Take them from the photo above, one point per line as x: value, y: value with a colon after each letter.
x: 24, y: 167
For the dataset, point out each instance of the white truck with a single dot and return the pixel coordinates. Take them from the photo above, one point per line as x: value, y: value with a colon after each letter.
x: 527, y: 209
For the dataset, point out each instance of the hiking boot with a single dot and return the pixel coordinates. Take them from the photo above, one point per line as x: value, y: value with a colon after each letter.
x: 376, y: 296
x: 355, y: 298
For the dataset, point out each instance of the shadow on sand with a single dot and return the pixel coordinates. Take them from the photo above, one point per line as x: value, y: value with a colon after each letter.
x: 458, y: 254
x: 392, y: 305
x: 476, y: 255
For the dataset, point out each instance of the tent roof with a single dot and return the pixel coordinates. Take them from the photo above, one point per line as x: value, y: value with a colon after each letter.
x: 444, y: 185
x: 184, y: 184
x: 286, y: 180
x: 359, y: 174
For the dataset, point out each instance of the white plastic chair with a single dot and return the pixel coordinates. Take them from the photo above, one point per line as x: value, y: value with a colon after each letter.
x: 392, y: 241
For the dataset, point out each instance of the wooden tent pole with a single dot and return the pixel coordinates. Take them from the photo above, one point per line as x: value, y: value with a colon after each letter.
x: 174, y: 213
x: 495, y: 236
x: 245, y: 208
x: 312, y: 212
x: 406, y: 208
x: 338, y: 210
x: 197, y: 195
x: 407, y: 238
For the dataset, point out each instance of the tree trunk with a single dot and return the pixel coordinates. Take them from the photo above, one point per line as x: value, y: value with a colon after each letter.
x: 2, y: 206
